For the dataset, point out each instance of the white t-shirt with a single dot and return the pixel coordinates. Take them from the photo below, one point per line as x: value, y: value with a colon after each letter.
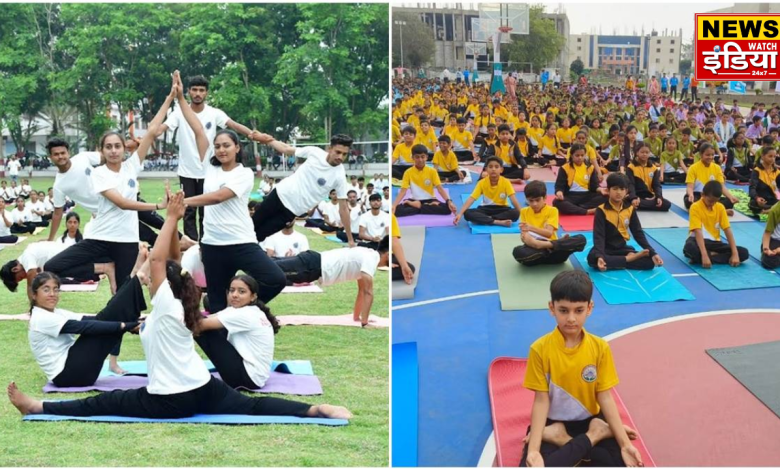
x: 67, y: 242
x: 317, y: 215
x: 228, y: 223
x: 376, y: 225
x: 191, y: 261
x: 190, y: 165
x: 312, y: 181
x: 21, y: 216
x: 174, y: 366
x: 13, y: 167
x: 5, y: 231
x: 332, y: 211
x: 281, y: 243
x: 250, y: 332
x: 37, y: 254
x: 16, y: 190
x: 386, y: 205
x: 111, y: 223
x: 36, y: 206
x: 346, y: 264
x: 48, y: 346
x: 25, y: 189
x: 7, y: 193
x: 76, y: 183
x: 354, y: 217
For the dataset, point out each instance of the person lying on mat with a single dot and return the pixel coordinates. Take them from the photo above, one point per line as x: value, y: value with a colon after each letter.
x: 577, y: 189
x: 180, y: 385
x: 611, y: 225
x: 574, y: 416
x: 340, y: 265
x: 770, y: 242
x: 402, y: 269
x: 510, y: 154
x: 644, y: 180
x: 702, y: 172
x: 37, y: 254
x: 707, y: 218
x: 446, y: 162
x: 538, y: 231
x: 496, y: 191
x: 764, y: 182
x: 422, y: 180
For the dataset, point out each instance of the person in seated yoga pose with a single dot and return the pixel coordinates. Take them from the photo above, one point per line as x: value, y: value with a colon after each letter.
x: 496, y: 191
x: 180, y: 385
x: 577, y: 185
x: 764, y: 182
x: 644, y: 180
x: 702, y: 172
x: 511, y: 155
x: 422, y: 180
x: 770, y: 242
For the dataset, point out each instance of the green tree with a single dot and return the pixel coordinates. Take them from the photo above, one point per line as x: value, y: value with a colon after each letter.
x: 685, y: 67
x: 540, y: 46
x: 577, y: 67
x: 418, y: 41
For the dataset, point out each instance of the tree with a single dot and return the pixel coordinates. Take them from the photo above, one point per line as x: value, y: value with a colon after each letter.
x: 577, y: 67
x: 685, y: 67
x: 540, y: 46
x: 418, y: 41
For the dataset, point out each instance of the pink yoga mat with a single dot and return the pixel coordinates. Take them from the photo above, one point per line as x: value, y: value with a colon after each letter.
x: 544, y: 174
x: 86, y: 287
x: 573, y: 223
x: 302, y: 289
x: 288, y: 384
x: 331, y: 320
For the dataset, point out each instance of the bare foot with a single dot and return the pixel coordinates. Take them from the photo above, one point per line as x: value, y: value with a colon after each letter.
x: 186, y: 243
x: 143, y: 254
x: 598, y: 430
x: 22, y: 402
x: 144, y: 272
x: 556, y: 434
x: 331, y: 411
x: 503, y: 223
x: 635, y: 256
x: 113, y: 366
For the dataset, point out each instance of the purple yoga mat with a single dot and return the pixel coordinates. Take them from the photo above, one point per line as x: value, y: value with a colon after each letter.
x: 287, y: 384
x: 426, y: 221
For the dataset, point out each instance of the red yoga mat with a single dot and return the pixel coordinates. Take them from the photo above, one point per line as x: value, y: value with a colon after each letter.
x: 510, y: 408
x: 573, y: 223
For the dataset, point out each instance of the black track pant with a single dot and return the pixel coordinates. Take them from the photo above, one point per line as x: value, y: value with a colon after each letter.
x: 720, y: 253
x: 342, y: 235
x: 771, y: 262
x: 9, y: 239
x: 226, y: 359
x: 449, y: 176
x: 578, y: 450
x: 88, y: 252
x: 616, y: 259
x: 756, y: 208
x: 674, y: 92
x: 674, y: 177
x: 398, y: 171
x: 562, y: 249
x: 26, y: 227
x: 301, y: 269
x: 398, y: 275
x: 429, y: 207
x: 578, y: 203
x: 652, y: 205
x: 486, y: 215
x: 86, y: 356
x: 271, y: 216
x: 324, y: 226
x: 740, y: 174
x: 216, y: 397
x: 193, y: 216
x: 222, y: 262
x: 697, y: 195
x: 464, y: 155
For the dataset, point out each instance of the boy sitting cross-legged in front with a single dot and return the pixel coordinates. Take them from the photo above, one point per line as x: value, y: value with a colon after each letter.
x: 574, y: 417
x: 538, y: 231
x: 496, y: 191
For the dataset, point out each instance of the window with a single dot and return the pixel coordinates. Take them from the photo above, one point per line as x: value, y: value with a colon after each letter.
x: 579, y: 58
x: 579, y: 48
x: 657, y: 61
x: 579, y: 39
x: 671, y: 51
x: 658, y: 42
x: 671, y: 61
x: 658, y: 50
x: 672, y: 41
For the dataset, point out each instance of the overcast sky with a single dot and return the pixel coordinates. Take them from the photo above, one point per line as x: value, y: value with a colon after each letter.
x: 585, y: 16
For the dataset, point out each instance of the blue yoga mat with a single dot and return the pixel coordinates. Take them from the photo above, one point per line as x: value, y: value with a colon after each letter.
x: 749, y: 275
x: 333, y: 238
x: 749, y: 235
x: 197, y: 419
x: 633, y: 287
x: 405, y: 389
x: 488, y: 229
x: 299, y: 367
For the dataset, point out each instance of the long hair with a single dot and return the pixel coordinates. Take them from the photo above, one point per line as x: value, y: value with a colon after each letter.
x: 184, y: 288
x: 254, y: 288
x: 73, y: 215
x: 234, y: 137
x: 40, y: 280
x: 103, y: 141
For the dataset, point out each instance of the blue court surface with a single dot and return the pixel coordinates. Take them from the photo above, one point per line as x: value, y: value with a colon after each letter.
x: 456, y: 321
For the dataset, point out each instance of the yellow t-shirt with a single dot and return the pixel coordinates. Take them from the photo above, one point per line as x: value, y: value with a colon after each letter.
x: 395, y: 230
x: 566, y: 136
x: 711, y: 222
x: 572, y: 376
x: 547, y: 216
x: 404, y: 152
x: 590, y: 153
x: 450, y: 130
x: 497, y: 195
x: 421, y: 182
x: 429, y: 140
x: 699, y: 175
x: 644, y: 173
x: 548, y: 145
x: 461, y: 140
x: 413, y: 121
x: 447, y: 162
x: 578, y: 176
x: 536, y: 134
x: 396, y: 132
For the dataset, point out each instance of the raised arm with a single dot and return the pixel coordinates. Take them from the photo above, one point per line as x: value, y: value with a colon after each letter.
x: 191, y: 118
x: 159, y: 256
x: 157, y: 122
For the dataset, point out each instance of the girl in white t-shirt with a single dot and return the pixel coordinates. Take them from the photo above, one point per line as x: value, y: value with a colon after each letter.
x: 72, y: 234
x: 229, y: 243
x: 6, y: 222
x: 180, y: 385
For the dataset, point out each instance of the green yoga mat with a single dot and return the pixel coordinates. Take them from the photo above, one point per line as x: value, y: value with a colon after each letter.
x: 742, y: 206
x: 521, y: 287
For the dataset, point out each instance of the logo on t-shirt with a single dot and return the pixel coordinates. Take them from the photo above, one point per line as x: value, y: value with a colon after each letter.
x: 502, y: 196
x: 650, y: 175
x: 382, y: 224
x: 208, y: 125
x: 717, y: 225
x: 321, y: 181
x: 625, y: 222
x: 589, y: 373
x: 427, y: 182
x: 131, y: 183
x: 88, y: 171
x: 712, y: 177
x: 295, y: 245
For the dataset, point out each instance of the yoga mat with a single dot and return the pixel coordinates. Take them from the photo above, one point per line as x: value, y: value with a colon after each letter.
x: 302, y: 289
x: 333, y: 238
x: 633, y: 287
x: 676, y: 196
x: 749, y: 235
x: 197, y: 419
x: 573, y: 223
x: 521, y: 287
x: 332, y: 320
x: 755, y: 366
x: 490, y: 229
x: 277, y: 383
x: 39, y: 230
x: 297, y: 367
x: 420, y: 220
x: 18, y: 241
x: 652, y: 219
x: 743, y: 207
x: 748, y: 275
x: 510, y: 408
x: 85, y: 287
x: 543, y: 174
x: 405, y: 390
x: 413, y: 241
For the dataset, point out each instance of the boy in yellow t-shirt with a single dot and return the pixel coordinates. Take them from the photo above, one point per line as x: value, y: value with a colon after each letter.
x: 446, y: 163
x: 707, y: 218
x: 463, y: 143
x: 496, y: 191
x: 574, y: 417
x: 402, y: 153
x: 538, y: 231
x: 426, y: 136
x: 422, y: 180
x: 703, y: 171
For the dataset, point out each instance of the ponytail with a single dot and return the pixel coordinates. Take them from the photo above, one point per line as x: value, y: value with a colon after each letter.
x: 184, y: 288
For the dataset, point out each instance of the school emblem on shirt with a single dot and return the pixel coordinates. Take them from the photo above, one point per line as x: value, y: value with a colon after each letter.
x: 712, y: 177
x: 321, y: 181
x: 625, y: 222
x: 295, y: 245
x: 502, y: 196
x: 589, y: 373
x: 131, y: 183
x: 717, y: 225
x: 382, y: 224
x: 650, y: 174
x: 208, y: 125
x: 427, y: 182
x: 88, y: 171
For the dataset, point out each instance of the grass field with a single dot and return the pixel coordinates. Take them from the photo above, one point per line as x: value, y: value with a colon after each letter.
x: 352, y: 365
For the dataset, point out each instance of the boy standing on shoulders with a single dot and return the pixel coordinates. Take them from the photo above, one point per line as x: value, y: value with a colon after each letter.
x: 572, y: 372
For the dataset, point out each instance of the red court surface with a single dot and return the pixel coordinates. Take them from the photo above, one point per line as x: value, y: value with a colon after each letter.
x: 688, y: 409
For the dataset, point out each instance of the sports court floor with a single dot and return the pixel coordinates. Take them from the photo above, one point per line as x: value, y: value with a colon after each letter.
x: 688, y: 409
